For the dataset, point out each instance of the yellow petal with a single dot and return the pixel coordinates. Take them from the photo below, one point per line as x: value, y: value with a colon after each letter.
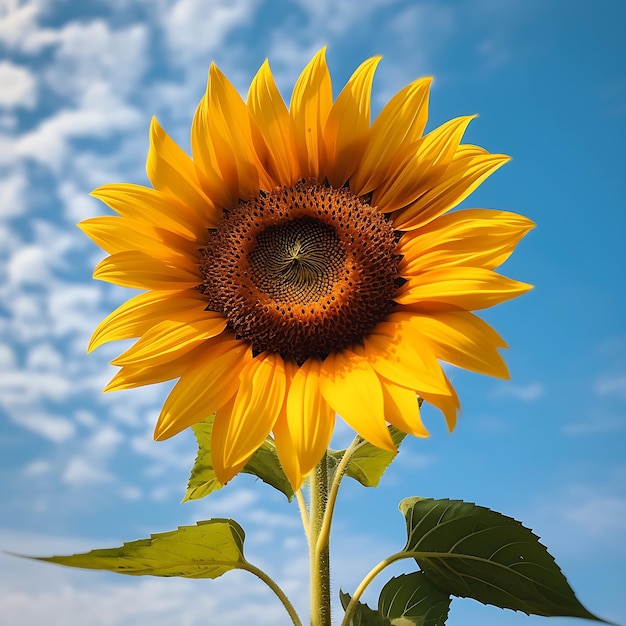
x: 239, y: 147
x: 398, y: 126
x: 209, y: 383
x: 224, y: 473
x: 433, y: 154
x: 204, y: 151
x: 139, y: 270
x: 462, y: 177
x: 255, y: 410
x: 464, y: 340
x: 402, y: 409
x: 473, y: 237
x: 311, y: 102
x: 171, y: 338
x: 132, y: 376
x: 272, y: 117
x: 137, y: 315
x: 352, y: 388
x: 468, y: 288
x: 309, y: 421
x: 401, y: 357
x: 171, y: 171
x: 153, y: 208
x: 347, y: 127
x: 120, y: 234
x: 448, y: 404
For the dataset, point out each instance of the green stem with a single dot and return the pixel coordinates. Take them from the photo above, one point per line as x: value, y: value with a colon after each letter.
x: 259, y: 573
x: 319, y: 552
x: 324, y: 536
x: 377, y: 569
x: 304, y: 515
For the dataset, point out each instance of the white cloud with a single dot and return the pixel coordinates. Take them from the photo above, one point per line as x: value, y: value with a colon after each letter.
x: 611, y: 385
x: 12, y: 193
x: 19, y: 87
x: 81, y: 471
x: 42, y: 357
x: 92, y: 52
x: 7, y: 357
x: 56, y: 429
x: 37, y: 468
x: 100, y: 113
x: 526, y: 393
x: 19, y: 27
x: 596, y: 425
x: 194, y: 28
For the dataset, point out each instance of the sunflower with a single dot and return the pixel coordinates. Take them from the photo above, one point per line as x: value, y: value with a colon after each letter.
x: 304, y: 264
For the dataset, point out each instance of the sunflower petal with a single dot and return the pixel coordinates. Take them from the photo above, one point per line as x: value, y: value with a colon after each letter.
x: 210, y: 381
x: 403, y: 358
x: 347, y: 127
x: 272, y: 117
x: 255, y: 410
x: 398, y: 126
x: 474, y: 237
x: 153, y: 208
x: 204, y: 152
x: 402, y: 409
x: 309, y: 419
x: 468, y: 288
x: 448, y: 404
x: 120, y: 234
x: 131, y: 376
x: 462, y: 177
x: 433, y: 154
x: 310, y: 105
x: 171, y: 171
x: 352, y: 388
x: 464, y: 340
x: 171, y: 338
x: 240, y: 147
x: 285, y: 447
x: 139, y: 270
x: 137, y: 315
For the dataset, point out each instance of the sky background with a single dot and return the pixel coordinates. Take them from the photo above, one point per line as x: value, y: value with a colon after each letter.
x: 79, y: 82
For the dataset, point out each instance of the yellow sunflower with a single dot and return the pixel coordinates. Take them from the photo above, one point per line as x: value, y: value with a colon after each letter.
x: 304, y: 263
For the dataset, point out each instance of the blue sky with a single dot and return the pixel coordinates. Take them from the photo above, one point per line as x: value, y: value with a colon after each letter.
x: 79, y: 84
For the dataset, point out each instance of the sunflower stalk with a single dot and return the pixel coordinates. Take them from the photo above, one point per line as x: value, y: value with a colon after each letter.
x: 304, y: 264
x: 319, y: 551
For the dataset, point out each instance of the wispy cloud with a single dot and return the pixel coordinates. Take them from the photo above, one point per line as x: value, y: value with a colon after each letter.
x: 611, y: 385
x: 529, y: 392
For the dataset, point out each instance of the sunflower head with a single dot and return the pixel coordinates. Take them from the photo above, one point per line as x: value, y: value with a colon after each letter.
x: 305, y: 263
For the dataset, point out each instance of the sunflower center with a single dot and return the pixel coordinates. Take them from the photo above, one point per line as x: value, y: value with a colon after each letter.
x: 302, y: 271
x: 299, y: 261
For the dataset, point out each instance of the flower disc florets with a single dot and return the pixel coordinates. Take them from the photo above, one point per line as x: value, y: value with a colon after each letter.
x: 301, y: 271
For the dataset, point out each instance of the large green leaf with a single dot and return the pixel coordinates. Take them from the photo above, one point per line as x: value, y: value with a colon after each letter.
x: 412, y: 600
x: 363, y: 615
x: 207, y: 550
x: 367, y: 463
x: 469, y: 551
x: 264, y: 464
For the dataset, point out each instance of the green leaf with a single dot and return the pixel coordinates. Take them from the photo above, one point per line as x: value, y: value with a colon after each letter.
x: 264, y: 464
x: 412, y: 600
x: 363, y: 615
x: 207, y: 550
x: 367, y: 463
x: 472, y: 552
x: 202, y: 480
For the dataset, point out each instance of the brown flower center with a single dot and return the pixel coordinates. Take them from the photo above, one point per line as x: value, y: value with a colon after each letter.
x: 302, y: 271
